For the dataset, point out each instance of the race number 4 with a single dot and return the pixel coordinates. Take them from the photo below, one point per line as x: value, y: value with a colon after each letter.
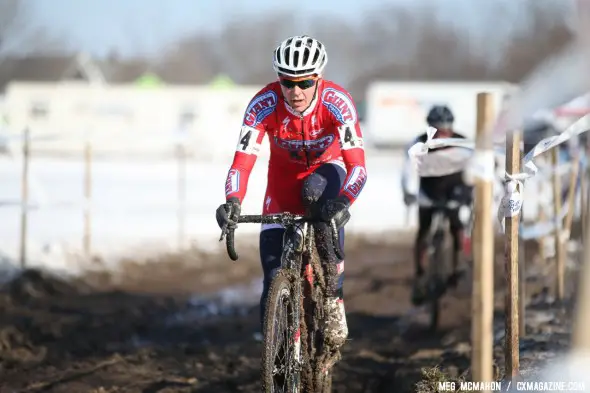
x: 249, y: 140
x: 348, y: 137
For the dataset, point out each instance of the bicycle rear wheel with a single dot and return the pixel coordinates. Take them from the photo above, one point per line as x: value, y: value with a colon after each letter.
x: 282, y: 346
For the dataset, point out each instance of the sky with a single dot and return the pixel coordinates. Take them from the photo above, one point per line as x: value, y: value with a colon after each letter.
x: 142, y: 26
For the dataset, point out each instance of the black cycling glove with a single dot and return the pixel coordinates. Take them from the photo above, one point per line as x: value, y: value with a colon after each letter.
x: 336, y: 209
x: 228, y: 214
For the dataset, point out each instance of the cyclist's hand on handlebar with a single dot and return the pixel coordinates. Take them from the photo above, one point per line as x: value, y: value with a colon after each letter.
x: 409, y: 199
x: 227, y: 214
x: 336, y: 209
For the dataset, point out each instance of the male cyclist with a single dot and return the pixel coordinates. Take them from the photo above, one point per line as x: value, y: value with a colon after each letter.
x: 316, y: 150
x: 437, y: 189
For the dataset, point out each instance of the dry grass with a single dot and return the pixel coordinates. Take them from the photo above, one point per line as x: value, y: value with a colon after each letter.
x: 432, y: 377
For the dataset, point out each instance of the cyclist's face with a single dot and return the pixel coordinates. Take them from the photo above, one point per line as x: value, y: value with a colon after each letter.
x: 443, y: 130
x: 298, y: 92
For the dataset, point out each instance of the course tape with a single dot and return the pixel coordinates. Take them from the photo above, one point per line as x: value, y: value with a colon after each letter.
x: 481, y: 165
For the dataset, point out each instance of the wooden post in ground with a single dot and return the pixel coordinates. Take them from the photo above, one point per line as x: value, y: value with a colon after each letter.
x: 541, y: 217
x: 181, y: 193
x: 87, y: 241
x: 584, y: 190
x: 511, y: 255
x: 522, y: 286
x: 580, y: 333
x: 482, y: 312
x: 24, y: 216
x: 571, y: 196
x: 559, y: 250
x: 521, y: 264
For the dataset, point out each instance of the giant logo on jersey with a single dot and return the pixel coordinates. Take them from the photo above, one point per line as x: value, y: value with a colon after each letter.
x: 356, y: 182
x: 232, y: 183
x: 298, y: 144
x: 260, y: 107
x: 339, y: 105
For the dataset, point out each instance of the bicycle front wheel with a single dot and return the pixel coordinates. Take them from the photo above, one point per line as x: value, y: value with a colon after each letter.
x: 282, y: 345
x: 436, y: 285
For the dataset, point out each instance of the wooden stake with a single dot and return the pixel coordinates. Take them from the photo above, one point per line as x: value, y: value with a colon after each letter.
x: 512, y: 265
x: 24, y: 216
x: 181, y: 204
x: 559, y: 250
x: 580, y: 333
x: 483, y: 266
x: 87, y: 241
x: 571, y: 196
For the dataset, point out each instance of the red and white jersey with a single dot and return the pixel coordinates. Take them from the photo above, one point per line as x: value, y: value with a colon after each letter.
x: 327, y: 132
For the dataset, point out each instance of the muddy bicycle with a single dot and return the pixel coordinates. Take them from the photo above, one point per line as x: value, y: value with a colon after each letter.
x: 296, y: 356
x: 439, y: 275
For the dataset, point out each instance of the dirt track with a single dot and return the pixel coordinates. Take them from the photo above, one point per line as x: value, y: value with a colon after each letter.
x: 143, y: 334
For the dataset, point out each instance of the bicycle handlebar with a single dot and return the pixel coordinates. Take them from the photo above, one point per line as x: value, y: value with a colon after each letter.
x: 450, y: 204
x: 285, y: 219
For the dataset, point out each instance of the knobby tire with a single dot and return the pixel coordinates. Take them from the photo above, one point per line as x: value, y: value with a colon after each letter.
x: 281, y: 290
x: 435, y: 281
x: 315, y: 319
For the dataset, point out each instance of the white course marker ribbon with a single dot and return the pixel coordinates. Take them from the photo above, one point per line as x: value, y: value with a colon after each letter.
x: 511, y: 202
x: 513, y: 199
x: 441, y: 163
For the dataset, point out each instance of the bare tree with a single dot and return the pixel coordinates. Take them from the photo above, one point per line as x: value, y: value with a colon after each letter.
x: 192, y: 59
x: 10, y: 21
x: 17, y: 35
x: 390, y: 43
x: 548, y: 32
x: 386, y: 37
x: 245, y: 49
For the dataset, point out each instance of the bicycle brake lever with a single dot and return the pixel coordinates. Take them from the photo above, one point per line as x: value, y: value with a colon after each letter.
x: 223, y: 233
x: 336, y: 240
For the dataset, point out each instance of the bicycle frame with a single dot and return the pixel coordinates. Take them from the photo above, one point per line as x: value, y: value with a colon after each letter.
x: 437, y: 230
x: 439, y: 219
x: 297, y: 242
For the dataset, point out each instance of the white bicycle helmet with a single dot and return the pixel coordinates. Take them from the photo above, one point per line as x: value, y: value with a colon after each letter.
x: 300, y: 56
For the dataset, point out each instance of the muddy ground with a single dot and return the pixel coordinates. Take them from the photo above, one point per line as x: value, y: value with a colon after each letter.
x: 148, y: 332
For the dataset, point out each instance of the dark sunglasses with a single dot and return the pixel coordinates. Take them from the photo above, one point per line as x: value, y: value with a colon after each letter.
x: 302, y: 84
x: 443, y: 125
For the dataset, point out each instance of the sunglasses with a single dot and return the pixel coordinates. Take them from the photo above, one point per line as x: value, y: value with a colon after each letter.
x: 443, y: 125
x: 302, y: 84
